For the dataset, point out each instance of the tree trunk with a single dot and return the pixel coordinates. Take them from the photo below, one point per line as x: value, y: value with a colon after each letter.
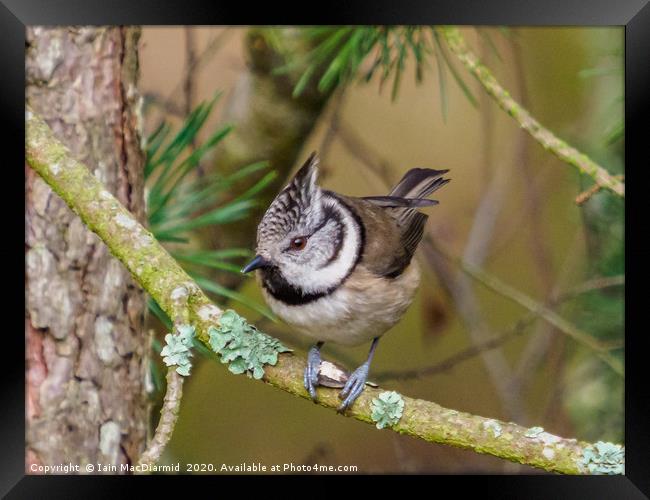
x: 87, y: 355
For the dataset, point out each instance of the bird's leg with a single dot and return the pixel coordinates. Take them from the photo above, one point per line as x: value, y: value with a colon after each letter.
x: 357, y: 381
x: 311, y: 372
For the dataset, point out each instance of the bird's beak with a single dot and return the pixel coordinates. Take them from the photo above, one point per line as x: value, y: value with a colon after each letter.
x: 256, y: 263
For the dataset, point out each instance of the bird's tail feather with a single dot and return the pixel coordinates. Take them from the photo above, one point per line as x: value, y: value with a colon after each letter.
x: 396, y: 201
x: 419, y: 183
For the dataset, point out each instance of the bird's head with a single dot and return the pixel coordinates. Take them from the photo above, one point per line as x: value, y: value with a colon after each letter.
x: 306, y: 240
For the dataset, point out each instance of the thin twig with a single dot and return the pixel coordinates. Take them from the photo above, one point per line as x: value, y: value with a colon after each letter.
x: 542, y: 179
x: 534, y: 350
x: 585, y: 196
x: 527, y: 302
x: 460, y: 357
x: 476, y: 250
x: 190, y: 65
x: 168, y: 104
x: 519, y: 327
x: 338, y: 101
x: 542, y: 135
x: 174, y: 393
x: 197, y: 62
x: 598, y: 283
x: 165, y: 428
x: 356, y: 146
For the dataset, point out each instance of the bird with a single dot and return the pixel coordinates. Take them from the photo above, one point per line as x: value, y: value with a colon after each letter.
x: 340, y: 268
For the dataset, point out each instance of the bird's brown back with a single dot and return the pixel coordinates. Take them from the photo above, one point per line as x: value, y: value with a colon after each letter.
x: 383, y: 250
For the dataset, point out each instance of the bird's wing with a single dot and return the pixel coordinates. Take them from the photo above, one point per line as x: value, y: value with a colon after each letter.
x: 388, y: 247
x: 395, y: 226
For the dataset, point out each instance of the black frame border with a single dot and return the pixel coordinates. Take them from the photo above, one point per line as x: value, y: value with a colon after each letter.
x: 633, y: 14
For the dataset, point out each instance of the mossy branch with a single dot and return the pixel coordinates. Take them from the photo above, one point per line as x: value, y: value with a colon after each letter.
x: 542, y: 135
x: 159, y: 274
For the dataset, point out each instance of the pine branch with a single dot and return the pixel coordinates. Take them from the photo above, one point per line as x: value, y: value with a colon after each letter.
x: 159, y: 274
x: 542, y: 135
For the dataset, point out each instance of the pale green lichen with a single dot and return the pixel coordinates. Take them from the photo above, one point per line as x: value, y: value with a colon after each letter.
x: 534, y: 432
x: 178, y: 293
x: 387, y: 409
x: 177, y: 351
x: 243, y: 346
x: 125, y: 221
x: 604, y: 458
x: 494, y: 426
x: 209, y: 312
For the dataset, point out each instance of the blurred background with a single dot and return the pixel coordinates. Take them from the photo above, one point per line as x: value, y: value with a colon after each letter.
x: 249, y: 107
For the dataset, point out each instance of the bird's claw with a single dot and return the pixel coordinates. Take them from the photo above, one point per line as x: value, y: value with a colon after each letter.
x: 311, y: 372
x: 353, y: 387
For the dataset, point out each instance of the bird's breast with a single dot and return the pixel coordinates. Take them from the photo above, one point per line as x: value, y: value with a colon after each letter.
x: 365, y: 306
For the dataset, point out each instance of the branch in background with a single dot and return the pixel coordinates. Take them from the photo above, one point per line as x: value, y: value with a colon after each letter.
x: 507, y: 291
x: 165, y: 428
x: 596, y: 284
x: 452, y: 361
x: 543, y: 180
x: 540, y: 337
x: 155, y: 270
x: 195, y: 64
x: 338, y: 101
x: 476, y: 249
x: 585, y: 196
x: 355, y: 146
x: 460, y: 357
x: 190, y: 64
x: 189, y: 84
x: 545, y: 137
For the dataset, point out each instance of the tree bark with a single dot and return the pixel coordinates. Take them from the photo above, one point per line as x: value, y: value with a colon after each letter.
x: 87, y: 356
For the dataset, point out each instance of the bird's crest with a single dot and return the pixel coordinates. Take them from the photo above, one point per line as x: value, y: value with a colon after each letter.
x: 298, y: 204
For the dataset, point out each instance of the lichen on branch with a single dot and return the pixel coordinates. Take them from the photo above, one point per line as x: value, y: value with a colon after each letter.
x: 159, y: 274
x: 242, y: 346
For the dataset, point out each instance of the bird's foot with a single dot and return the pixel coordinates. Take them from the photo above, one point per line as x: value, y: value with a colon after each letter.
x: 311, y: 372
x: 354, y: 386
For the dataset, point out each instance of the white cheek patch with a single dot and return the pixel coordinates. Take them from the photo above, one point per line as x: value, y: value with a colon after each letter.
x: 331, y: 275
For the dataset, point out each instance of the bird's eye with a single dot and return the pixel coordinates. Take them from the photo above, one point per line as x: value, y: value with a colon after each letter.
x: 298, y: 243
